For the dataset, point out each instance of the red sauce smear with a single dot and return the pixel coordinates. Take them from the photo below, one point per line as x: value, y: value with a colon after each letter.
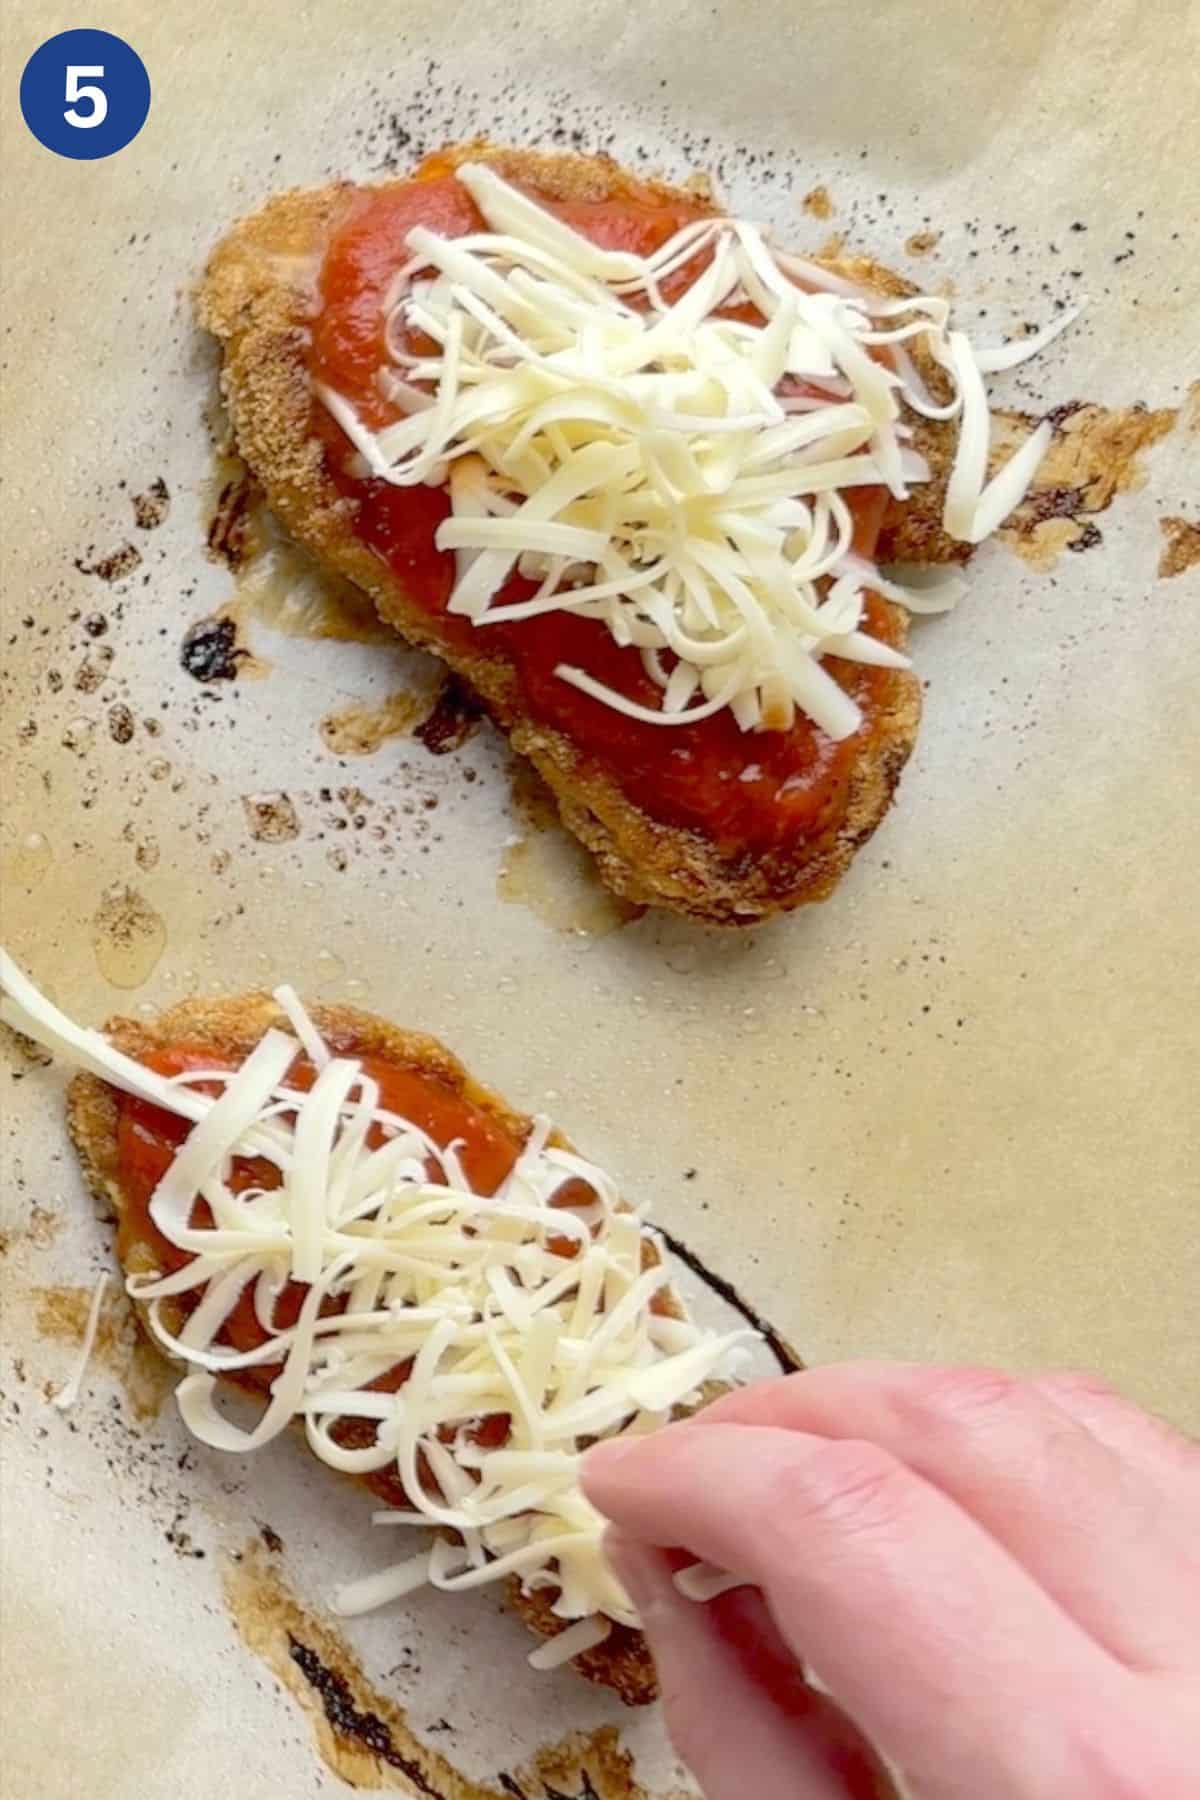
x: 744, y: 791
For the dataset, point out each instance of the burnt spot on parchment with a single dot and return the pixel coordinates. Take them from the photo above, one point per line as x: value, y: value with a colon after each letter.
x: 210, y: 650
x: 121, y: 723
x: 366, y: 1738
x: 113, y: 565
x: 93, y: 671
x: 509, y: 1785
x: 150, y: 509
x: 1095, y: 455
x: 351, y: 1723
x: 787, y: 1358
x: 233, y: 530
x: 454, y: 717
x: 27, y: 1048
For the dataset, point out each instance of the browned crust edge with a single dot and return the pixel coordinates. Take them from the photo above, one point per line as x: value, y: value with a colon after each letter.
x: 255, y: 297
x: 230, y: 1028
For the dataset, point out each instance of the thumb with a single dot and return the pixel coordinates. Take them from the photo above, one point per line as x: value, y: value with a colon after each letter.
x: 770, y: 1735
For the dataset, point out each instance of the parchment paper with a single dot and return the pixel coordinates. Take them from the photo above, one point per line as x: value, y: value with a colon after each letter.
x: 950, y: 1114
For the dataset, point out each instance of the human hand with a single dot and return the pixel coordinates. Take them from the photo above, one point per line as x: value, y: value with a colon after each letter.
x: 998, y: 1582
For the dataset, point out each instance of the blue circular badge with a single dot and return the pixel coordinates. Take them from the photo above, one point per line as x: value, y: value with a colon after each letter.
x: 85, y: 94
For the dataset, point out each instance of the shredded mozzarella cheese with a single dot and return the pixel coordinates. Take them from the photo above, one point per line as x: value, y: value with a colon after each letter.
x: 68, y: 1394
x: 585, y: 1635
x: 528, y: 1329
x: 702, y: 1582
x: 665, y: 468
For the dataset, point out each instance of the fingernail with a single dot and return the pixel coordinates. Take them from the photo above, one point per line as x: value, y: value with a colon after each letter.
x: 638, y: 1568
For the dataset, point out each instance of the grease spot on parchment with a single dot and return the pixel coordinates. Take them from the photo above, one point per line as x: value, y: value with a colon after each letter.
x: 278, y: 582
x: 547, y: 870
x: 128, y: 937
x: 1189, y: 412
x: 362, y: 727
x: 28, y: 863
x: 283, y: 587
x: 1182, y: 548
x: 922, y: 242
x: 1095, y: 455
x: 60, y: 1314
x: 271, y: 818
x: 42, y: 1226
x: 365, y: 1738
x: 818, y: 204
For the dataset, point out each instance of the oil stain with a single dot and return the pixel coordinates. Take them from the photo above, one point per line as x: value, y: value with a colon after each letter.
x: 556, y: 879
x: 29, y: 863
x: 817, y: 203
x: 278, y: 582
x: 1182, y: 548
x: 128, y: 937
x: 365, y: 1738
x: 42, y: 1226
x: 361, y: 728
x: 60, y: 1314
x: 271, y: 818
x: 546, y: 870
x: 1094, y: 456
x: 284, y: 589
x: 1189, y: 412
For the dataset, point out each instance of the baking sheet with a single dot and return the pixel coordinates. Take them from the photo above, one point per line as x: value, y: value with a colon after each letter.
x: 948, y: 1114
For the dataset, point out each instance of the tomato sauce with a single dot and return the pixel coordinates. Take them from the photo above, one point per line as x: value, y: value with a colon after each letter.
x: 148, y: 1140
x: 744, y: 791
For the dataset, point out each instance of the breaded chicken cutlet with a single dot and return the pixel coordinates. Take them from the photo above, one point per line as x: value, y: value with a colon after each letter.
x: 336, y: 1207
x: 331, y: 362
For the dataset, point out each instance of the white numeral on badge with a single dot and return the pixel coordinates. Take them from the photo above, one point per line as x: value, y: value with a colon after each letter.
x: 78, y: 89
